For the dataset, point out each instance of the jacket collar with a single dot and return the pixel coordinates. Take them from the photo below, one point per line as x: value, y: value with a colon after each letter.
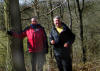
x: 35, y: 25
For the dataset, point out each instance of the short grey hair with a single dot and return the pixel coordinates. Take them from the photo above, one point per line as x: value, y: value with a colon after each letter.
x: 57, y: 17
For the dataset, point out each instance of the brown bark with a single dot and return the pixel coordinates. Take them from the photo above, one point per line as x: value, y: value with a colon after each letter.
x: 13, y: 18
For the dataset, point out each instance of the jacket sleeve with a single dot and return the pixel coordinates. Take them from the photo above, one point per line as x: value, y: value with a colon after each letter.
x: 68, y: 35
x: 51, y: 37
x: 20, y: 35
x: 71, y: 36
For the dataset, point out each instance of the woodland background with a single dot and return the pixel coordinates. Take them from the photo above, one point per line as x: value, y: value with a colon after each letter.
x: 81, y: 16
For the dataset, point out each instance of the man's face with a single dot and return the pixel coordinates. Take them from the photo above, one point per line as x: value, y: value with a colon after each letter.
x: 33, y: 21
x: 57, y: 22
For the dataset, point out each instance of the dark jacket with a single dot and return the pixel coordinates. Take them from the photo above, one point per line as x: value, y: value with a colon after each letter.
x: 36, y: 38
x: 66, y: 36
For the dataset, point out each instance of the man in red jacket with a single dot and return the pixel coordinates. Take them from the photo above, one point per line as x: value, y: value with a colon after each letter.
x: 37, y: 43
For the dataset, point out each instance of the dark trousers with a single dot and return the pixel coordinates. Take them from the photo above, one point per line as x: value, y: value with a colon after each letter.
x: 37, y: 61
x: 64, y: 63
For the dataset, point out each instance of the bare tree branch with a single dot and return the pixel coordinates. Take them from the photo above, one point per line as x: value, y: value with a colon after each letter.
x: 83, y: 4
x: 46, y: 13
x: 25, y: 8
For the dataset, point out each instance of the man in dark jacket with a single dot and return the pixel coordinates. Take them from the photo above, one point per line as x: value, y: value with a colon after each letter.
x: 62, y: 38
x: 37, y: 43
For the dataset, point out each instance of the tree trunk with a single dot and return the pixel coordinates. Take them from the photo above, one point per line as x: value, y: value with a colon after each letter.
x: 80, y: 10
x: 70, y: 14
x: 51, y: 15
x: 16, y: 45
x: 36, y: 8
x: 61, y: 9
x: 7, y: 22
x: 2, y: 26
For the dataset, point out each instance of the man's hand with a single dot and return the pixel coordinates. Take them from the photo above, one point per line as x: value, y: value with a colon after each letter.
x: 10, y: 33
x: 66, y: 45
x: 52, y: 42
